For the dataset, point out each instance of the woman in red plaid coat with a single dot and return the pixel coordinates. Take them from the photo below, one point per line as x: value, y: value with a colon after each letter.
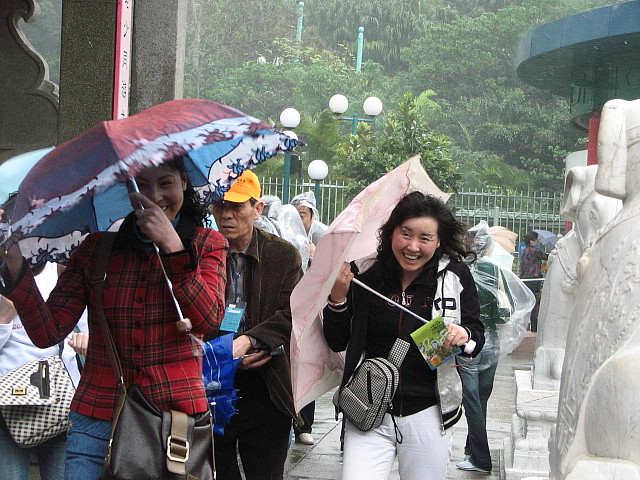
x: 138, y: 307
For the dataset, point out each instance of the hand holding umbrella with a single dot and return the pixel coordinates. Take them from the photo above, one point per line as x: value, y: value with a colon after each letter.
x: 155, y: 224
x: 340, y: 287
x: 78, y: 187
x: 249, y: 356
x: 352, y: 235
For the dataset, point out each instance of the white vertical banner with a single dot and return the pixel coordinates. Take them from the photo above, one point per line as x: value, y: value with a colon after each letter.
x: 122, y: 60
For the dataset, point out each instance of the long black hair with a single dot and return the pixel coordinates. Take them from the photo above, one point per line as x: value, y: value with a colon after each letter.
x: 415, y: 205
x: 193, y: 206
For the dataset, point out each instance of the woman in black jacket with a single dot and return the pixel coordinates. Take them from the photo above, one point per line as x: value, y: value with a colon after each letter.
x: 418, y: 265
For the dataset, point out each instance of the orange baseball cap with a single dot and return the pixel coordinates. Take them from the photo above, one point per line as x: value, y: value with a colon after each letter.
x: 245, y: 187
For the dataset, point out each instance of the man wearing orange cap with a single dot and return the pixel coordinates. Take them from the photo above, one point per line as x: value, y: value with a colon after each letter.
x: 262, y: 271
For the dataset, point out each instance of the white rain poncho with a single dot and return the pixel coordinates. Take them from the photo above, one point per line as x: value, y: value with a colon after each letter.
x: 284, y: 221
x: 505, y: 301
x: 268, y: 221
x: 308, y: 199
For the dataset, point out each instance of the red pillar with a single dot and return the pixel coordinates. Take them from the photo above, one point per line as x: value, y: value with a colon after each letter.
x: 592, y: 149
x: 592, y: 138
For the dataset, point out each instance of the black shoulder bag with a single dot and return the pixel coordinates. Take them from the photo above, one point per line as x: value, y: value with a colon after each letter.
x: 147, y: 443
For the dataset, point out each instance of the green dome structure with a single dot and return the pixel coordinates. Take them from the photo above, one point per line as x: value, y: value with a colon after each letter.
x: 588, y: 58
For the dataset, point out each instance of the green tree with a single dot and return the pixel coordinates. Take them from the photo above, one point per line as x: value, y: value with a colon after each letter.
x: 483, y: 107
x: 264, y: 90
x: 366, y: 157
x: 225, y: 34
x: 389, y: 25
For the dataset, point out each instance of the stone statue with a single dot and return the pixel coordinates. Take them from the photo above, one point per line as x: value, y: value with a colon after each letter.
x: 597, y: 435
x: 28, y: 100
x: 589, y: 211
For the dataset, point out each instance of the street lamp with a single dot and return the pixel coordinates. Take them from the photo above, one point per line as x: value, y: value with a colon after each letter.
x: 359, y: 49
x: 372, y: 107
x: 299, y: 30
x: 318, y: 171
x: 289, y: 118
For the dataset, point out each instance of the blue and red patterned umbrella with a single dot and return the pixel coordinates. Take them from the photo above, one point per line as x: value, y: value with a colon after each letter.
x: 79, y: 186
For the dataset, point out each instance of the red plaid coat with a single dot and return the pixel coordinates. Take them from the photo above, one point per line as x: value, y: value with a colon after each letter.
x: 141, y: 316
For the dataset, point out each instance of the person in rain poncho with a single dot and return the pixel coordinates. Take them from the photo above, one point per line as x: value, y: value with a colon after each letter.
x: 284, y: 222
x: 504, y: 302
x: 305, y: 203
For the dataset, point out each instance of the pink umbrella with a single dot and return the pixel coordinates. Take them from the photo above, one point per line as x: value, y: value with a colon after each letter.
x: 315, y: 369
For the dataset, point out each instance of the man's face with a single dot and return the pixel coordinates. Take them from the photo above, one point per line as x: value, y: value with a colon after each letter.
x: 235, y: 221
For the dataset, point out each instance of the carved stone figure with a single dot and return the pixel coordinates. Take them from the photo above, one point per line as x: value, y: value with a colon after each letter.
x: 28, y: 100
x: 598, y: 429
x: 589, y: 211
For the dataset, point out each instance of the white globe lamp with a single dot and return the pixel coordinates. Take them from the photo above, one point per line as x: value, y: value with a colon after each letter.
x: 372, y: 106
x: 338, y: 104
x: 318, y: 170
x: 290, y: 118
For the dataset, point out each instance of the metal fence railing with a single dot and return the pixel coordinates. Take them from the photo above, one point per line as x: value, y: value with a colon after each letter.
x: 332, y: 201
x: 519, y: 212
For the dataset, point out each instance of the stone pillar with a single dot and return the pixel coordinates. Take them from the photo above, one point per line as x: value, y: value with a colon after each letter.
x: 159, y: 39
x: 86, y: 65
x: 28, y: 100
x: 526, y: 450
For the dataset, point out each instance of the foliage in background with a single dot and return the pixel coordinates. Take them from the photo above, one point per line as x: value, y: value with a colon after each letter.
x: 456, y: 58
x: 490, y: 114
x: 366, y: 157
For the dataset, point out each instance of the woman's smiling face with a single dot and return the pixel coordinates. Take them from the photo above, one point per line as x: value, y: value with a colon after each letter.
x: 413, y: 244
x: 164, y: 186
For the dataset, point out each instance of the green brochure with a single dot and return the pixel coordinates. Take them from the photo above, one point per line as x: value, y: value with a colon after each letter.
x: 430, y: 339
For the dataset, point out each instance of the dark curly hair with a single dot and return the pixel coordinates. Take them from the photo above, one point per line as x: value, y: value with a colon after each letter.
x: 414, y: 205
x: 193, y: 206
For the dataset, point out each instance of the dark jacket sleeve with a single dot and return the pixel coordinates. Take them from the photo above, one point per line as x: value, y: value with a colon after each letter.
x: 281, y: 271
x: 470, y: 308
x: 336, y: 324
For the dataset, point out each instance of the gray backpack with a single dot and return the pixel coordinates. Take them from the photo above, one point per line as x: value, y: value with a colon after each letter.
x: 366, y: 397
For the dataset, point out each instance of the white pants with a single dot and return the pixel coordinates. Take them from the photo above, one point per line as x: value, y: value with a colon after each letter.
x: 423, y: 454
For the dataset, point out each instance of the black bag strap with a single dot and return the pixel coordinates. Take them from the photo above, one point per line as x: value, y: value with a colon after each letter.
x: 98, y: 279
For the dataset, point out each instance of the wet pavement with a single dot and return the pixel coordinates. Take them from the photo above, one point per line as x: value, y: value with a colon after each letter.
x: 324, y: 459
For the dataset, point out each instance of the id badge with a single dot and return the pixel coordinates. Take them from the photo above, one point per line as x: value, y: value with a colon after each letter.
x: 233, y: 317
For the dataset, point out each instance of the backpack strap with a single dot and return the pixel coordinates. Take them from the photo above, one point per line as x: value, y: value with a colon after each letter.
x: 398, y: 352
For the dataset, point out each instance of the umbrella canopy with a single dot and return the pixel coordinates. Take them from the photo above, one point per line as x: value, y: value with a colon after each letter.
x: 218, y: 370
x: 504, y: 237
x: 315, y: 369
x: 504, y: 246
x: 547, y: 239
x: 13, y: 171
x: 79, y: 186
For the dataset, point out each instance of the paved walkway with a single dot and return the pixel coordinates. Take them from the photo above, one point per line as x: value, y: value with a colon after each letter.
x: 324, y: 461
